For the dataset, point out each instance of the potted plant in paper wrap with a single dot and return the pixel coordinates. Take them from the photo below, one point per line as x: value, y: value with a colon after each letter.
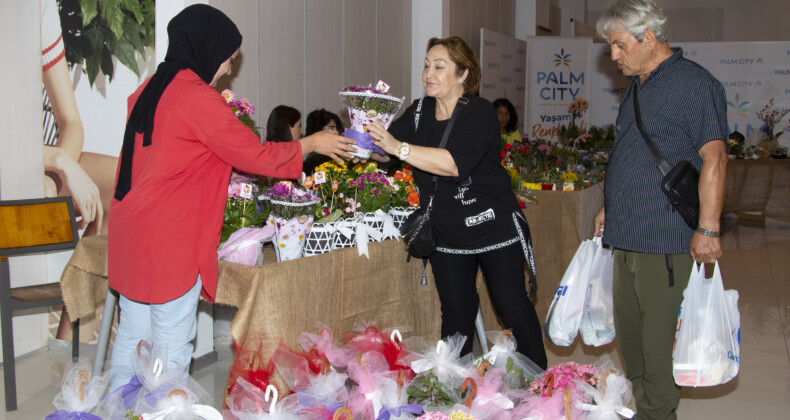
x: 291, y: 217
x: 241, y: 238
x: 367, y: 104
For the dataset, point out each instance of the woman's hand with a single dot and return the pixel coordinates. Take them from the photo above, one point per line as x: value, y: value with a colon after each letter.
x: 83, y: 191
x: 332, y: 145
x: 382, y: 138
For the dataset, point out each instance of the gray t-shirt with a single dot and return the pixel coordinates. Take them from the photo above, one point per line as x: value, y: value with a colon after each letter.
x: 683, y: 107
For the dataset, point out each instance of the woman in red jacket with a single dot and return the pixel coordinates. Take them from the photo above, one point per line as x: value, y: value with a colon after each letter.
x: 181, y: 141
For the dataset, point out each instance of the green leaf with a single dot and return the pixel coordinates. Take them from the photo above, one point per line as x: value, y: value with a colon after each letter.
x: 124, y: 50
x: 132, y: 31
x: 89, y: 11
x: 92, y: 64
x: 134, y: 7
x: 113, y: 15
x: 106, y: 63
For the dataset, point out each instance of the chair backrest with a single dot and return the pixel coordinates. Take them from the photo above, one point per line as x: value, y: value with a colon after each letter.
x: 37, y: 225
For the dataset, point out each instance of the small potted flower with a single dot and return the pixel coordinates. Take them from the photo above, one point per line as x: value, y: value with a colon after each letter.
x: 241, y: 239
x: 292, y: 208
x: 406, y: 199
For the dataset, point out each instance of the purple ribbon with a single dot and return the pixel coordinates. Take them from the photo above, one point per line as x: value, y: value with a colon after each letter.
x: 127, y: 392
x: 71, y: 415
x: 308, y: 399
x: 385, y: 413
x: 364, y: 141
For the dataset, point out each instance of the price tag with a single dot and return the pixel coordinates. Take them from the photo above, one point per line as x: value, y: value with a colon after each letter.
x: 320, y: 177
x: 245, y: 191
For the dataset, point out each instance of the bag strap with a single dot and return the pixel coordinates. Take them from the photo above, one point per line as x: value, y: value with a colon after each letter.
x: 462, y: 101
x: 662, y: 163
x: 417, y: 115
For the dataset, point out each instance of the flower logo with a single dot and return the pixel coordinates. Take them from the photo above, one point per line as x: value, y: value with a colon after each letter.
x: 562, y: 58
x: 737, y: 107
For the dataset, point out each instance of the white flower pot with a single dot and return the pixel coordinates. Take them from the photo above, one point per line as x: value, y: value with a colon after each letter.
x: 320, y: 240
x: 400, y: 214
x: 372, y: 220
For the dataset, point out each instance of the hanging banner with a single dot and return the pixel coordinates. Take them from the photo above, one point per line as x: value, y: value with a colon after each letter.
x: 752, y: 74
x: 503, y: 61
x: 557, y: 76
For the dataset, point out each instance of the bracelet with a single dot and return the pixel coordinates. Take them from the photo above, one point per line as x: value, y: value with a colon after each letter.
x: 709, y: 233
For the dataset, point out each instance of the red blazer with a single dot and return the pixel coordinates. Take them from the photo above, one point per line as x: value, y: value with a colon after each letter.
x: 167, y: 228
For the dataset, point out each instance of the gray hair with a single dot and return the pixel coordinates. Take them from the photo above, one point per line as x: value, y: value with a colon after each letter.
x: 633, y: 16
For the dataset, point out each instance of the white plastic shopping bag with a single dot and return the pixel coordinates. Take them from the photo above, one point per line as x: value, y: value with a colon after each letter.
x: 707, y: 346
x: 565, y: 312
x: 597, y: 325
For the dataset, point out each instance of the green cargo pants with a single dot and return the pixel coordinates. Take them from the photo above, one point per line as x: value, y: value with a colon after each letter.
x: 647, y: 298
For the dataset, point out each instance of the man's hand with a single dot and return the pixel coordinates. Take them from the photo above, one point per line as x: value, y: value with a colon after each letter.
x: 705, y: 249
x: 599, y: 219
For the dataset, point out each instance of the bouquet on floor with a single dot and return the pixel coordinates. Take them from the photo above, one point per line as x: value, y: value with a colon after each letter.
x: 373, y: 374
x: 367, y: 104
x: 291, y: 216
x: 80, y: 394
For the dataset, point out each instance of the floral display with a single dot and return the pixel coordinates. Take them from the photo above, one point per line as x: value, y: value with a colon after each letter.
x: 405, y: 191
x: 241, y: 204
x: 371, y: 192
x: 242, y: 108
x: 771, y: 116
x: 542, y: 165
x: 374, y: 374
x: 367, y: 104
x: 287, y: 200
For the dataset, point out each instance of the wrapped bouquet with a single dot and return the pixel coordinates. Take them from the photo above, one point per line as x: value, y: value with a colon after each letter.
x: 367, y: 104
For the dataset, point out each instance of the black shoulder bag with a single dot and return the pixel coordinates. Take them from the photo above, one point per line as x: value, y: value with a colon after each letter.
x: 418, y: 230
x: 680, y: 183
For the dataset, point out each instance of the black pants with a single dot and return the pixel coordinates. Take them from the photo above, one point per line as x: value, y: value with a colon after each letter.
x: 504, y: 273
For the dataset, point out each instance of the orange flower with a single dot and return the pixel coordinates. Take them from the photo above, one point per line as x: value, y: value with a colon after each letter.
x: 414, y: 199
x: 410, y: 188
x: 408, y: 178
x: 398, y: 176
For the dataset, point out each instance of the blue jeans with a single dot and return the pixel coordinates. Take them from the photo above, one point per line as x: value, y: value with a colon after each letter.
x: 169, y: 327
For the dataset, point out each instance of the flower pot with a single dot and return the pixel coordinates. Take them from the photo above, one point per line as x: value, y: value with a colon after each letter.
x: 289, y: 237
x: 372, y: 220
x: 320, y: 239
x: 547, y: 186
x: 346, y: 235
x: 400, y: 214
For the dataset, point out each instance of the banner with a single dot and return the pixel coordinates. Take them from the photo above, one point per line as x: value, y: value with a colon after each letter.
x: 557, y: 75
x: 752, y: 73
x: 503, y: 61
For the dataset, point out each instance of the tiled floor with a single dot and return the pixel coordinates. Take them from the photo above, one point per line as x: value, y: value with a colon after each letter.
x: 756, y: 263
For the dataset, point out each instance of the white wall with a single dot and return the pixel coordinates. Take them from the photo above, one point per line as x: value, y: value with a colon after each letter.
x: 719, y: 20
x: 21, y: 159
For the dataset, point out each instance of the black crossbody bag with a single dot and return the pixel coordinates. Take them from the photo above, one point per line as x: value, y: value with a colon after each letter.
x: 680, y: 183
x: 418, y: 230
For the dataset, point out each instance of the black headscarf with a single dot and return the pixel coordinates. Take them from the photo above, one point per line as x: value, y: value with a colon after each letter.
x: 201, y: 38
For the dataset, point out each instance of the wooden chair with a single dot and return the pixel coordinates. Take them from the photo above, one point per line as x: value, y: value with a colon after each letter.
x: 26, y: 227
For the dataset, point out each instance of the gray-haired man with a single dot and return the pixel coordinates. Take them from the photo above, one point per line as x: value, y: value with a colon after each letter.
x: 683, y: 111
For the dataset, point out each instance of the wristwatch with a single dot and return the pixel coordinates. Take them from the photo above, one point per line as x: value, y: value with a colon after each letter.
x: 404, y: 151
